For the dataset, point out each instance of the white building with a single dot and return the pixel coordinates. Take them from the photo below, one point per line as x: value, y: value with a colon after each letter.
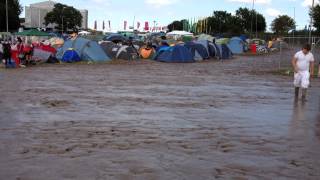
x: 35, y: 13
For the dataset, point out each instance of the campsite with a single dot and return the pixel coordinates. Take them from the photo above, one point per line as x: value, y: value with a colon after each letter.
x: 159, y: 90
x: 152, y: 120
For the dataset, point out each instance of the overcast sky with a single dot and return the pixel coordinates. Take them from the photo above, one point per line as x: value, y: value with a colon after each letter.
x: 165, y: 11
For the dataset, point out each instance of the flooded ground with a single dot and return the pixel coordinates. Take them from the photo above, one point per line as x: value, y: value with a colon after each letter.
x: 149, y: 120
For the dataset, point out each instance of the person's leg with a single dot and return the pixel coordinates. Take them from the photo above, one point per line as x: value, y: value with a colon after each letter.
x: 297, y: 84
x: 7, y: 61
x: 305, y: 82
x: 296, y: 92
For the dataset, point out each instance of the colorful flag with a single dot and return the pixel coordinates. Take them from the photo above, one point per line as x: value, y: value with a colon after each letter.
x: 125, y: 25
x: 109, y: 22
x: 103, y: 25
x: 138, y: 25
x: 95, y: 25
x: 146, y: 26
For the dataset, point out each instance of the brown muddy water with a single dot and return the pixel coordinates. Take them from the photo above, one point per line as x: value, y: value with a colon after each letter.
x: 149, y: 120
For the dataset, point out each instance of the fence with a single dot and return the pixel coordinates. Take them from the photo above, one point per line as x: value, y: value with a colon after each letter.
x: 294, y: 44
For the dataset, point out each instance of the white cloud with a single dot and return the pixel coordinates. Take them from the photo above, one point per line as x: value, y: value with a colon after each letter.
x: 160, y: 3
x: 306, y: 3
x: 250, y: 1
x: 273, y: 12
x: 101, y: 2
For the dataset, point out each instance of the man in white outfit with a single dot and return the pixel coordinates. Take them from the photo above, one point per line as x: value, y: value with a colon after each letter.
x: 303, y: 64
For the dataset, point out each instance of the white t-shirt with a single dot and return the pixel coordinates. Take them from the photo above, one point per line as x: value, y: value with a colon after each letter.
x: 303, y: 60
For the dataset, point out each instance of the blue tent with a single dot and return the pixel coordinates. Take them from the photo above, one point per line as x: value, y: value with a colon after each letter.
x: 214, y: 50
x: 86, y: 49
x: 175, y: 54
x: 225, y: 52
x: 236, y: 45
x: 70, y: 56
x: 199, y: 52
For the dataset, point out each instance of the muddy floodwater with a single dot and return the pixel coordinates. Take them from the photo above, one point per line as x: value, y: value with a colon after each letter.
x: 149, y: 120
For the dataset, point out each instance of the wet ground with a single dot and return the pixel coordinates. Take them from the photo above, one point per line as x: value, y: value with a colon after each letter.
x: 149, y: 120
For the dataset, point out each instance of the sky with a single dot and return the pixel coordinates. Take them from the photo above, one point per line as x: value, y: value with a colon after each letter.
x: 166, y: 11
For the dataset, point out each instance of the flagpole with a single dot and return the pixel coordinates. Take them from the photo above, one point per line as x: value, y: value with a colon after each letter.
x: 134, y: 19
x: 7, y: 23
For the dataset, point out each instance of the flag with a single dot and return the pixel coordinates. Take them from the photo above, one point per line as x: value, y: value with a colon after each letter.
x: 103, y: 25
x: 125, y: 25
x: 138, y: 25
x: 95, y: 25
x: 146, y: 26
x: 109, y: 22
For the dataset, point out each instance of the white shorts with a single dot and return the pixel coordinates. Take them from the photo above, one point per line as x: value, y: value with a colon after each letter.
x: 302, y: 79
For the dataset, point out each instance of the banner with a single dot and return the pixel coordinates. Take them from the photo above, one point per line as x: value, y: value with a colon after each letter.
x: 103, y: 25
x: 138, y: 25
x: 146, y: 26
x: 125, y: 25
x: 95, y: 25
x: 109, y: 22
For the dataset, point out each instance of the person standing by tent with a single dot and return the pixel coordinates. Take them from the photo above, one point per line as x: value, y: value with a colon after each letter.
x: 303, y: 65
x: 7, y: 52
x: 1, y: 50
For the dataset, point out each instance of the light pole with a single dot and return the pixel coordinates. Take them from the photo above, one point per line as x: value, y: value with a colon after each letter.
x: 311, y: 24
x: 7, y: 18
x: 62, y: 19
x: 252, y: 16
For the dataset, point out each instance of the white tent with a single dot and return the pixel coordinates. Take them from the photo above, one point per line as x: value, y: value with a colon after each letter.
x: 180, y: 33
x: 84, y: 33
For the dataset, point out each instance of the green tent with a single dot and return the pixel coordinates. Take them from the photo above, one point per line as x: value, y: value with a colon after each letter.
x: 222, y: 41
x: 32, y: 32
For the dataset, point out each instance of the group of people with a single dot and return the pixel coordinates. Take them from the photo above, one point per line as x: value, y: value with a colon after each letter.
x: 19, y: 52
x: 15, y: 53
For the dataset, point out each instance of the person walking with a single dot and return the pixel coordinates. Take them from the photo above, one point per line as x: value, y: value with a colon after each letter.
x: 303, y: 65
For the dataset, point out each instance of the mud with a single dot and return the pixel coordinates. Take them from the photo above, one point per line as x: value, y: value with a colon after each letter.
x: 149, y: 120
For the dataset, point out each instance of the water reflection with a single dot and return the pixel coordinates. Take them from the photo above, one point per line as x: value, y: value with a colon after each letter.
x: 305, y: 121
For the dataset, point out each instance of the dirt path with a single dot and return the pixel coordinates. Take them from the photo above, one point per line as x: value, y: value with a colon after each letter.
x: 151, y: 120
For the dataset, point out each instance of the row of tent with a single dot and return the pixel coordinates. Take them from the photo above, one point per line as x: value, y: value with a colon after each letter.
x: 192, y: 52
x: 84, y: 49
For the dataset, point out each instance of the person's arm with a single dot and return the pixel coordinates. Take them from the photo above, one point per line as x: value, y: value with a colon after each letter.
x: 294, y: 64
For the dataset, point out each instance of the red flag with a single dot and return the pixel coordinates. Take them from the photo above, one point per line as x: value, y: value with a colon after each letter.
x: 95, y: 25
x: 138, y: 25
x: 146, y: 26
x: 103, y: 26
x: 125, y: 25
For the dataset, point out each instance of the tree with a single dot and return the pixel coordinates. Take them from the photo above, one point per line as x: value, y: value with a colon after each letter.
x: 177, y: 25
x: 282, y: 24
x: 315, y: 15
x: 14, y: 10
x: 65, y: 17
x: 251, y: 20
x: 222, y: 22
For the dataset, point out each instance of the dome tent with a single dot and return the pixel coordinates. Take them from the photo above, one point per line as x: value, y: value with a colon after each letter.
x: 86, y: 49
x: 174, y: 54
x: 199, y: 52
x: 237, y: 45
x: 110, y: 48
